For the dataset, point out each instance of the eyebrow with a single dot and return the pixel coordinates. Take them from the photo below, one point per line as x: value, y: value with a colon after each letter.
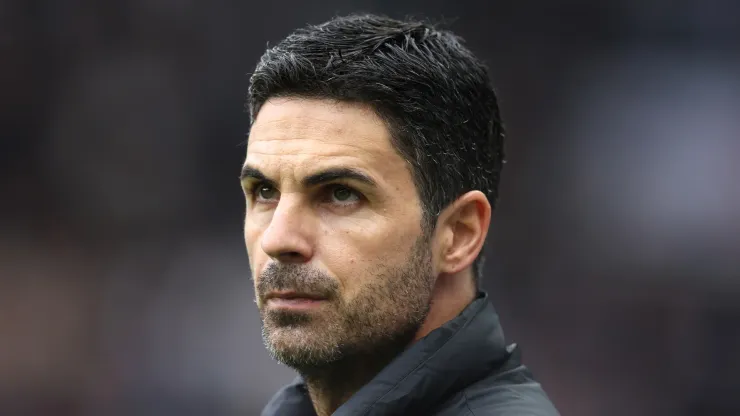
x: 318, y: 178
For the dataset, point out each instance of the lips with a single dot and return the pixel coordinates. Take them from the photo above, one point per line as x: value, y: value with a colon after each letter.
x: 291, y: 295
x: 296, y: 302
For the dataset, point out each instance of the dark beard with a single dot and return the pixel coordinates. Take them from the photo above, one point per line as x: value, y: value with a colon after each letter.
x: 350, y: 359
x: 369, y: 331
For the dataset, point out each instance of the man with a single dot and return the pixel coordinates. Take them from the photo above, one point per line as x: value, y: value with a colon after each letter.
x: 372, y: 167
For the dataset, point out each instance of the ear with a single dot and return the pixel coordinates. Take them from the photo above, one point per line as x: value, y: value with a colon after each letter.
x: 461, y: 231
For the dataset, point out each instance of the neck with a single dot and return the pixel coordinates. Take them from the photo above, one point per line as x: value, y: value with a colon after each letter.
x: 451, y: 295
x: 332, y: 385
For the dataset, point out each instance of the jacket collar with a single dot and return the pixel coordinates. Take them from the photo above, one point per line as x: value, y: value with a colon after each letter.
x: 453, y: 356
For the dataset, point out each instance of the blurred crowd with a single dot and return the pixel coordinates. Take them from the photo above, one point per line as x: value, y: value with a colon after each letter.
x: 124, y: 283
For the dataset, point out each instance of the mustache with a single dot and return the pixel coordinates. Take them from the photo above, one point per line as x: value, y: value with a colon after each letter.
x: 298, y: 278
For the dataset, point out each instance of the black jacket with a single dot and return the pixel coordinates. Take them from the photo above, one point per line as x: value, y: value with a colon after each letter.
x: 462, y: 368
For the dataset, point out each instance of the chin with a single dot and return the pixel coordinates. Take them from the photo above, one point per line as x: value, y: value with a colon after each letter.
x: 300, y: 349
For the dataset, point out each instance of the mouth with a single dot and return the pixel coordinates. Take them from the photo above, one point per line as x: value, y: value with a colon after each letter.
x: 292, y: 295
x: 290, y: 300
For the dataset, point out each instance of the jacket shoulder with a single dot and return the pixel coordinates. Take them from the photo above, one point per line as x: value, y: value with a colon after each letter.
x: 512, y: 392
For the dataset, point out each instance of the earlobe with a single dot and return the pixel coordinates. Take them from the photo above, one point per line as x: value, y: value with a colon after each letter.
x: 465, y: 223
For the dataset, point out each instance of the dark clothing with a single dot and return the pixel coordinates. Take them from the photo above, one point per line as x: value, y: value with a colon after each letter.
x: 462, y: 368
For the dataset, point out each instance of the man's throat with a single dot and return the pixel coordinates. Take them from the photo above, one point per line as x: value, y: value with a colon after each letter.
x: 334, y: 384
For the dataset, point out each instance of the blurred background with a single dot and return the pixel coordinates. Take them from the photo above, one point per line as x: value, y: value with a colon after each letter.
x: 124, y: 283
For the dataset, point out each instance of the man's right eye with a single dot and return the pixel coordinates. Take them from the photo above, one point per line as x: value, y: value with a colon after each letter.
x: 265, y: 193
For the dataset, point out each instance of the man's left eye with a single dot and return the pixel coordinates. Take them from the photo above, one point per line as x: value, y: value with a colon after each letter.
x: 344, y: 194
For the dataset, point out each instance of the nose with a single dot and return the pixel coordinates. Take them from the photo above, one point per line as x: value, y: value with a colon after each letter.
x: 287, y: 238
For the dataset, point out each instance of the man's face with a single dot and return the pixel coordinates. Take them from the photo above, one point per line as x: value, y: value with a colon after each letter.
x: 333, y: 232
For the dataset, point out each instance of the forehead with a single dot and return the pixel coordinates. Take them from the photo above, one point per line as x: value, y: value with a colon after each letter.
x: 298, y: 131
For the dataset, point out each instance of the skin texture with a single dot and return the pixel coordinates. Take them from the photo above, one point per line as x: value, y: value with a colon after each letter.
x: 356, y: 244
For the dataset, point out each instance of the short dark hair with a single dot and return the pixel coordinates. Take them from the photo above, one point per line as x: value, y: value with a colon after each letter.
x: 434, y: 95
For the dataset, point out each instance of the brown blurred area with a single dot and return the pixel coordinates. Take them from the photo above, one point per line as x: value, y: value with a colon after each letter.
x: 124, y: 285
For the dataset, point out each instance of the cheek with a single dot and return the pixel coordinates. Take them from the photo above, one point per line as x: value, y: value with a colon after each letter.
x: 358, y: 259
x: 252, y: 232
x: 252, y: 235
